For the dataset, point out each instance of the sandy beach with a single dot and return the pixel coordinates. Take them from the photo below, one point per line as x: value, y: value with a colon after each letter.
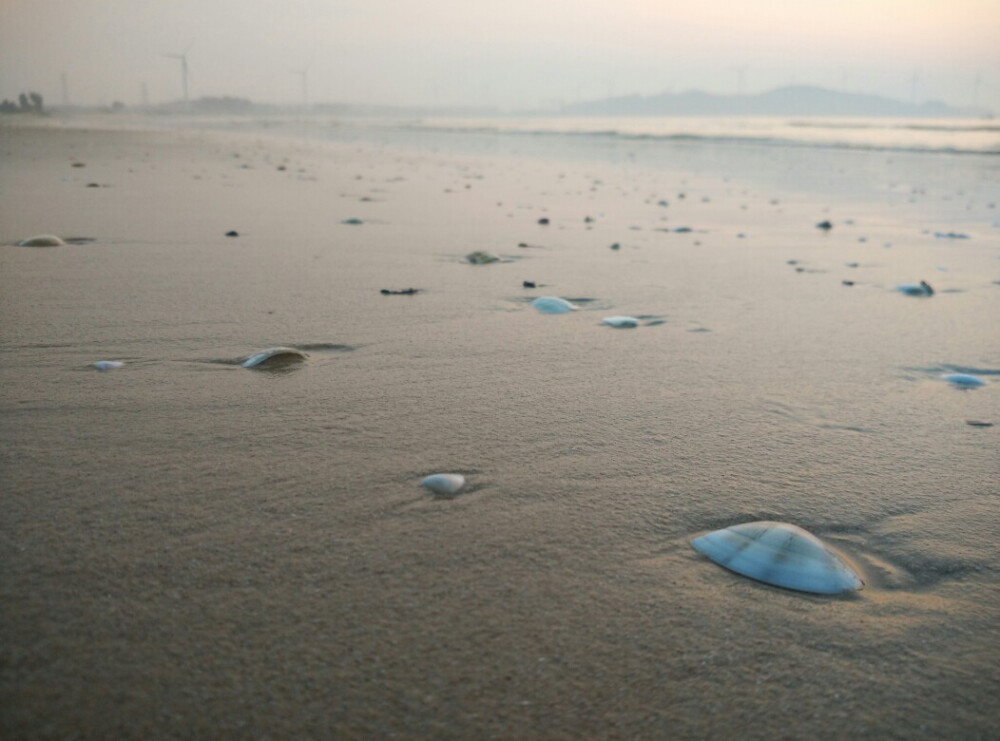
x: 192, y: 549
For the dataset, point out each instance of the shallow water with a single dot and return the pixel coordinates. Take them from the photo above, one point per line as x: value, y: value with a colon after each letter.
x: 194, y: 548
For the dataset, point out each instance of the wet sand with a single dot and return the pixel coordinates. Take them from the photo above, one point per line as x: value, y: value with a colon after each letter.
x: 194, y: 549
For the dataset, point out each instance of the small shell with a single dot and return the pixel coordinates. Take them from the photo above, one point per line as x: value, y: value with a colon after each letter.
x: 444, y: 484
x: 274, y: 357
x: 780, y: 554
x: 42, y: 240
x: 963, y: 380
x: 103, y: 365
x: 479, y: 257
x: 553, y: 305
x: 621, y: 322
x: 916, y: 289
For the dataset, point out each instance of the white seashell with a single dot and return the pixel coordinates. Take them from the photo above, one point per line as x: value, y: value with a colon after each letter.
x: 553, y: 305
x: 42, y: 240
x: 780, y: 554
x: 274, y: 357
x: 103, y: 365
x: 444, y: 484
x: 621, y: 322
x: 482, y: 258
x: 963, y: 380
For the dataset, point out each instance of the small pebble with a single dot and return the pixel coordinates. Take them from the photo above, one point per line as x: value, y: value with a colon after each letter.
x: 232, y: 233
x: 528, y: 284
x: 824, y: 225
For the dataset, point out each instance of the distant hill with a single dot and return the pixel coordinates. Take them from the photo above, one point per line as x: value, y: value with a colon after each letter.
x: 798, y: 100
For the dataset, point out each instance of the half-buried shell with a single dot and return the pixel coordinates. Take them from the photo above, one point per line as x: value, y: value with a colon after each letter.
x: 275, y: 357
x: 963, y: 380
x: 621, y: 322
x: 553, y: 305
x: 42, y: 240
x: 780, y: 554
x: 444, y: 484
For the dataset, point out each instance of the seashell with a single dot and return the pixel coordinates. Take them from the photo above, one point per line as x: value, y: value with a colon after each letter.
x: 42, y: 240
x: 922, y: 288
x: 103, y: 365
x: 963, y: 380
x: 480, y: 257
x: 621, y: 322
x: 553, y: 305
x: 444, y: 484
x: 274, y: 357
x: 780, y: 554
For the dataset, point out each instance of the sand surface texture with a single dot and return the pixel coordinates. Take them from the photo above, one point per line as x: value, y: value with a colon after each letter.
x: 195, y: 549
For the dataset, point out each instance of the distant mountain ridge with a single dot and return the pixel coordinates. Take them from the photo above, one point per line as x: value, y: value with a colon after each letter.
x: 795, y: 100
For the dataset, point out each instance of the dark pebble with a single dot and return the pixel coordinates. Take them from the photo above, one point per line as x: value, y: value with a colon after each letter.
x: 232, y: 233
x: 978, y: 423
x: 528, y: 284
x: 847, y: 282
x: 824, y: 225
x: 616, y: 246
x: 543, y: 221
x: 401, y: 292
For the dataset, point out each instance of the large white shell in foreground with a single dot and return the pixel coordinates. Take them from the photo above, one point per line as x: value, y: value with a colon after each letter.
x: 780, y: 554
x: 444, y: 484
x: 621, y: 322
x: 553, y: 305
x: 42, y: 240
x: 274, y: 357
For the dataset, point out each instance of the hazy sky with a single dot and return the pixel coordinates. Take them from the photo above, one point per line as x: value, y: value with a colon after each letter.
x: 506, y: 53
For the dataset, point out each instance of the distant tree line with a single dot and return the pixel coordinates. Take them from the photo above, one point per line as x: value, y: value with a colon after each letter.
x: 26, y: 103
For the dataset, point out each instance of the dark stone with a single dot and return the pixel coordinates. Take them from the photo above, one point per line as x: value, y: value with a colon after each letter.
x: 543, y: 221
x: 825, y: 226
x: 847, y: 282
x: 616, y: 246
x: 401, y: 292
x: 528, y: 284
x: 232, y: 233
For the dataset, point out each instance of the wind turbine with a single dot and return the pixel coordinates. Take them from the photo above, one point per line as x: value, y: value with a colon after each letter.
x: 184, y: 71
x: 304, y: 74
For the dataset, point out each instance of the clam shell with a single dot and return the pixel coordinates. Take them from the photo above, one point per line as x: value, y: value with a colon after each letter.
x: 42, y: 240
x: 621, y: 322
x: 963, y: 380
x: 553, y: 305
x: 103, y: 365
x: 780, y: 554
x: 444, y: 484
x: 274, y: 357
